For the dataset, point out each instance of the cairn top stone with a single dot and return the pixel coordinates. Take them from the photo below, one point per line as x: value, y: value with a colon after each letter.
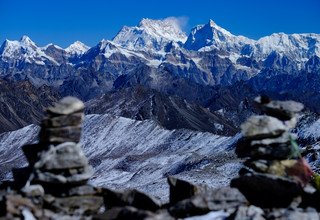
x: 284, y: 110
x: 262, y: 126
x: 66, y: 106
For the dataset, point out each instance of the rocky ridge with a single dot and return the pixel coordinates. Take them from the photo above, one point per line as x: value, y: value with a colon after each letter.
x: 57, y: 185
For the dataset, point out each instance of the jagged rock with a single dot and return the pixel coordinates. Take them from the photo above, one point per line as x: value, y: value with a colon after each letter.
x: 283, y: 110
x: 261, y: 126
x: 132, y: 197
x: 219, y: 199
x: 266, y: 190
x: 249, y: 212
x: 180, y: 189
x: 60, y: 135
x: 33, y: 190
x: 66, y: 106
x: 77, y: 205
x: 64, y: 156
x: 63, y: 121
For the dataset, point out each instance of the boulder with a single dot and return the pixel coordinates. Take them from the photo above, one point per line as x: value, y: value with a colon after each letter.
x: 266, y: 190
x: 181, y: 189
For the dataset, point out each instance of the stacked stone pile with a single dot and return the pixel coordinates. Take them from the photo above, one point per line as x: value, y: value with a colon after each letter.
x: 62, y: 161
x: 274, y: 172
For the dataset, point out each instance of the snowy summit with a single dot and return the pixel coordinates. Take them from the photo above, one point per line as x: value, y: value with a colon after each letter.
x: 150, y: 34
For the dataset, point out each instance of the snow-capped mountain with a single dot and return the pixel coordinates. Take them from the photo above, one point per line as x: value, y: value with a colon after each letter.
x: 150, y: 35
x: 298, y: 47
x: 211, y: 36
x: 153, y: 54
x: 77, y: 48
x: 24, y: 50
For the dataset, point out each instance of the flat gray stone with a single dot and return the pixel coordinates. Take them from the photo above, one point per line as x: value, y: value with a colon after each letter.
x: 262, y: 126
x: 284, y: 110
x: 63, y: 121
x: 67, y: 155
x: 60, y: 135
x: 77, y: 177
x: 66, y: 106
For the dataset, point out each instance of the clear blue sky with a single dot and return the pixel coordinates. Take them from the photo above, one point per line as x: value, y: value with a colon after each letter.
x: 64, y: 21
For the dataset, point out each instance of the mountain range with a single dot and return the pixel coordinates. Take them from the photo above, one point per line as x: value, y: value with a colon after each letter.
x: 210, y: 67
x: 159, y: 101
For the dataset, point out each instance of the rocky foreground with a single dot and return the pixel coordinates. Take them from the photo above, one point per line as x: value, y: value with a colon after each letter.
x: 275, y: 183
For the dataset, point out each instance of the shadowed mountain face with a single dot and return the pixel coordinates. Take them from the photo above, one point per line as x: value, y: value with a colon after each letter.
x: 21, y: 103
x: 171, y: 112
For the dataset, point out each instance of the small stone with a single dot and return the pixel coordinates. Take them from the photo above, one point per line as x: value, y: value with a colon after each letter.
x: 60, y: 135
x: 63, y: 156
x: 283, y: 110
x: 66, y: 106
x: 249, y: 212
x: 82, y: 190
x: 283, y: 139
x: 33, y: 190
x: 63, y: 121
x: 261, y: 126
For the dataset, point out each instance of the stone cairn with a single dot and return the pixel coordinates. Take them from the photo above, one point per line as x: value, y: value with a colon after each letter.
x: 58, y: 170
x: 274, y: 172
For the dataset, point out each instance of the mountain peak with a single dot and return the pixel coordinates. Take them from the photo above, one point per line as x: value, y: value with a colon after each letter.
x: 211, y: 23
x: 77, y: 48
x: 26, y: 40
x: 151, y: 34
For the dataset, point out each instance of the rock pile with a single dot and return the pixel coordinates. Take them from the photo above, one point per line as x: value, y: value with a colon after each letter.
x: 58, y: 171
x: 274, y: 165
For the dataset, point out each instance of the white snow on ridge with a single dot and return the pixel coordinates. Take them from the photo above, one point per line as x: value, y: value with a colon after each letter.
x: 127, y: 153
